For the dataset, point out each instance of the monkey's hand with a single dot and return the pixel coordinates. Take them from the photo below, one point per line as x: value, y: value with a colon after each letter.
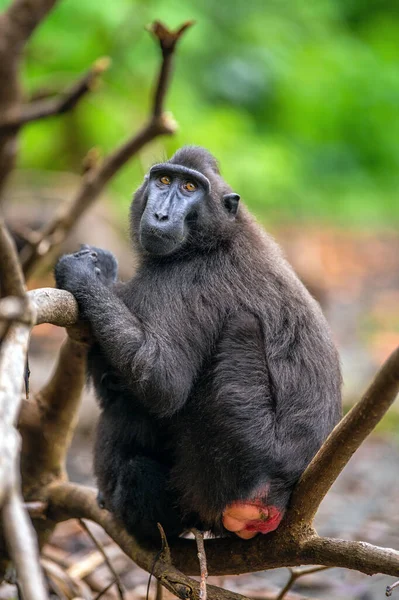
x: 90, y: 265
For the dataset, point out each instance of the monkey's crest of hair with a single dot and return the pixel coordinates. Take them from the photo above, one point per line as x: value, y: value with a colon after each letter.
x: 196, y: 157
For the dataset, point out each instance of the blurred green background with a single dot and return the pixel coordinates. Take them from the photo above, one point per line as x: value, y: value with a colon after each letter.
x: 298, y: 99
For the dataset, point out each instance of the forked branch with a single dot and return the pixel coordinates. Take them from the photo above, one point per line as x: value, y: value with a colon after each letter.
x: 56, y: 106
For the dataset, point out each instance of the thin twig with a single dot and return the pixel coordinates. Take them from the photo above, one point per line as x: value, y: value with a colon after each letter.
x: 296, y: 574
x: 390, y: 588
x: 199, y: 539
x: 100, y: 547
x: 94, y: 181
x: 159, y: 592
x: 57, y: 106
x: 104, y: 591
x: 165, y: 550
x: 36, y: 510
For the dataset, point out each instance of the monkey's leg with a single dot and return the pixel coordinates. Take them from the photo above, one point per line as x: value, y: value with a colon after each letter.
x: 132, y: 480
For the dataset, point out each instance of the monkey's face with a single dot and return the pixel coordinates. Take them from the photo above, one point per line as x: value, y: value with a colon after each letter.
x: 176, y: 195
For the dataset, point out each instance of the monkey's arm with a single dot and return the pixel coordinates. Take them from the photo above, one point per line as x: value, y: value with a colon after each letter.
x: 159, y: 368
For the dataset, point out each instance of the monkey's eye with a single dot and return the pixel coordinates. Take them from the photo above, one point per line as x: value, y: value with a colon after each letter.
x: 165, y: 179
x: 190, y: 186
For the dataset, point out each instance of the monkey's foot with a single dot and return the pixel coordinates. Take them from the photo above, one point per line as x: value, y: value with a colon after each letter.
x: 247, y: 519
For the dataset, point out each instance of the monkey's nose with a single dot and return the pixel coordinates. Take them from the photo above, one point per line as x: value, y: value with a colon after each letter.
x: 160, y: 216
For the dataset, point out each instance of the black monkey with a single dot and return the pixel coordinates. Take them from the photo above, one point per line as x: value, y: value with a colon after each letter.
x: 214, y: 367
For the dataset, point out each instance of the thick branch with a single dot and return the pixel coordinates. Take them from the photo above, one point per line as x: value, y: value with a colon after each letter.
x: 11, y: 277
x: 17, y: 23
x: 358, y: 556
x: 68, y: 500
x: 45, y: 443
x: 57, y: 307
x: 19, y: 533
x: 226, y: 556
x: 56, y: 106
x: 96, y: 179
x: 344, y: 441
x: 21, y: 18
x: 23, y: 548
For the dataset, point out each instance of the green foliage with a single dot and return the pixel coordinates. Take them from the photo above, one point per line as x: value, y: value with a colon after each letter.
x: 299, y: 100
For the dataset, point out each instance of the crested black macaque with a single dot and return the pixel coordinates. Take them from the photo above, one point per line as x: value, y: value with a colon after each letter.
x: 214, y: 368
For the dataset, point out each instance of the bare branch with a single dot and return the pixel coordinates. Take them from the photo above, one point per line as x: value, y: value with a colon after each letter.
x: 22, y: 545
x: 57, y: 307
x: 17, y: 23
x: 344, y: 440
x: 58, y: 404
x: 12, y: 365
x: 19, y: 534
x: 96, y: 178
x: 358, y: 556
x: 199, y: 539
x: 390, y: 588
x: 56, y: 106
x: 22, y: 17
x: 296, y: 574
x: 168, y: 40
x: 11, y: 277
x: 14, y: 308
x: 67, y: 500
x: 100, y: 547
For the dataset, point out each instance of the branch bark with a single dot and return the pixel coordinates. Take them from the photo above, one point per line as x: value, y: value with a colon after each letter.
x: 20, y: 536
x: 56, y: 106
x: 11, y: 278
x: 96, y: 179
x: 344, y: 440
x: 17, y: 24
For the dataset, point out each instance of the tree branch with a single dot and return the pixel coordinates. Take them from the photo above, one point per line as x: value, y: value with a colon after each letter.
x: 344, y: 440
x: 56, y: 106
x: 11, y: 277
x: 68, y: 500
x: 358, y: 556
x: 19, y: 534
x: 21, y: 19
x: 17, y: 23
x: 96, y: 179
x: 57, y: 307
x: 23, y: 548
x: 296, y: 574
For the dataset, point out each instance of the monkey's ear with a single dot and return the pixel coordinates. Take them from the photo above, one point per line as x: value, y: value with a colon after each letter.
x: 230, y: 202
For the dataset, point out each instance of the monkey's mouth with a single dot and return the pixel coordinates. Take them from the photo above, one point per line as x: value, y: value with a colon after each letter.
x: 158, y: 242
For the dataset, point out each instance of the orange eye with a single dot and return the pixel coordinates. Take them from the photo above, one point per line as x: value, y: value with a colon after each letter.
x: 165, y: 180
x: 190, y: 186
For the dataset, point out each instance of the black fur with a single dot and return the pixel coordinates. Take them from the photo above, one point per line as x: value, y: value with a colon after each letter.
x: 214, y: 367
